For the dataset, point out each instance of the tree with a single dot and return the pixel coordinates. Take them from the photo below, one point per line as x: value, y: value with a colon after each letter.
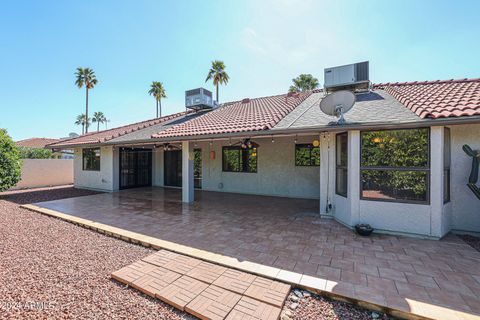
x: 82, y: 120
x: 10, y: 164
x: 303, y: 82
x: 158, y: 92
x: 99, y: 117
x: 86, y: 77
x: 218, y: 74
x: 34, y: 153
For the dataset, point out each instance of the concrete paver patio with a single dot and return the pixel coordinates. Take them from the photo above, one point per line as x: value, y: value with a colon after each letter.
x: 391, y: 271
x: 195, y: 289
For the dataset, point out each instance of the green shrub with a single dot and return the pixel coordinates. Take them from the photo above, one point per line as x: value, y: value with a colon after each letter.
x: 10, y: 163
x: 34, y: 153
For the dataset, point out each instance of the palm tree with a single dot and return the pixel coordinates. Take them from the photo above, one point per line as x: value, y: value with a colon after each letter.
x: 158, y: 92
x: 85, y: 77
x: 218, y: 74
x: 303, y: 82
x: 81, y: 120
x: 99, y: 117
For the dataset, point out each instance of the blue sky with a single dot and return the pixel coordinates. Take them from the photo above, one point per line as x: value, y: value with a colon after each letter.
x: 264, y: 44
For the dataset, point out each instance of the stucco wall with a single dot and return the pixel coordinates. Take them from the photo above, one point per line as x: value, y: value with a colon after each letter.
x: 465, y: 206
x: 276, y: 174
x: 396, y: 217
x: 45, y: 172
x: 105, y: 179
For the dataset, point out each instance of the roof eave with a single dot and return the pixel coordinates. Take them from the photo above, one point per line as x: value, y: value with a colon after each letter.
x: 290, y: 131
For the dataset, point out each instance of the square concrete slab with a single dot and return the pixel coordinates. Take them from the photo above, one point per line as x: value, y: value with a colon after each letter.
x: 235, y: 281
x: 132, y: 272
x: 269, y: 291
x: 160, y: 258
x: 206, y: 272
x: 251, y: 309
x: 182, y: 264
x: 155, y: 280
x: 181, y: 292
x: 214, y: 303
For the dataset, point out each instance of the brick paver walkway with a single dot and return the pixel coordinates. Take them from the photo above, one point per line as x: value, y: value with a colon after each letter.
x: 192, y: 285
x: 387, y: 270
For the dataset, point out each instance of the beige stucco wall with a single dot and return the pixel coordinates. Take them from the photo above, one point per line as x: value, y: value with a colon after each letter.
x: 45, y: 172
x: 465, y: 207
x: 276, y: 174
x: 106, y: 179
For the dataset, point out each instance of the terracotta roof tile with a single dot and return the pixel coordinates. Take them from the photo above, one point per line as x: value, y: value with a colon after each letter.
x: 106, y: 135
x: 36, y: 142
x: 437, y: 99
x: 240, y: 116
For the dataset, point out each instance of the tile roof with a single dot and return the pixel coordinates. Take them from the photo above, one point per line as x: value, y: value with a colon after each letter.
x: 106, y: 135
x: 240, y: 116
x: 437, y: 99
x: 36, y: 142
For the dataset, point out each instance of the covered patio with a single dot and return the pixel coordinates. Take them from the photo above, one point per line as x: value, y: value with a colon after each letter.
x: 287, y: 233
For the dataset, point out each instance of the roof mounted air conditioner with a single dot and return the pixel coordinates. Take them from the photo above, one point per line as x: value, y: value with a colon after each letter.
x: 352, y: 77
x: 199, y: 99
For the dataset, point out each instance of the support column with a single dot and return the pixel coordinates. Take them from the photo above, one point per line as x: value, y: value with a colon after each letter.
x: 327, y: 173
x: 436, y: 181
x: 187, y: 172
x: 354, y: 176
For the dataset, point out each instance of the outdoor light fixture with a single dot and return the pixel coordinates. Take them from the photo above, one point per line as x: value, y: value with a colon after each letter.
x: 316, y: 143
x: 295, y: 140
x: 273, y: 140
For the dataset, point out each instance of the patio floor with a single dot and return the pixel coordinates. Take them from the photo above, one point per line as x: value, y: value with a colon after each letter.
x: 391, y: 271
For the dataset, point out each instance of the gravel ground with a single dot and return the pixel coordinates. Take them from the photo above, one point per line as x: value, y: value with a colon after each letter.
x: 305, y: 305
x: 471, y: 240
x: 56, y: 270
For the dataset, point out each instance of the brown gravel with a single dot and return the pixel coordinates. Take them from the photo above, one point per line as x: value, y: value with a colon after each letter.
x: 474, y: 242
x: 54, y: 269
x: 312, y: 306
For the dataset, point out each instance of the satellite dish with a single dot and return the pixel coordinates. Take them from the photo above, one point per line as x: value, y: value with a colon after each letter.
x: 337, y: 104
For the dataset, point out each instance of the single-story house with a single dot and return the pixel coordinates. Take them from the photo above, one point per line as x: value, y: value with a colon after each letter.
x: 396, y: 163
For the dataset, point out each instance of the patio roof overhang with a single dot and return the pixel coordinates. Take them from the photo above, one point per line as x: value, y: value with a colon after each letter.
x: 292, y: 131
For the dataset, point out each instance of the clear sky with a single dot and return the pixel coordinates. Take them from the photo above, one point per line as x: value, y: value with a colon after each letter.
x: 264, y: 44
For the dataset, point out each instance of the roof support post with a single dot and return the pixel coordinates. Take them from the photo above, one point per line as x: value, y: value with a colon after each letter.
x: 438, y: 222
x: 354, y: 176
x: 187, y: 172
x: 327, y: 173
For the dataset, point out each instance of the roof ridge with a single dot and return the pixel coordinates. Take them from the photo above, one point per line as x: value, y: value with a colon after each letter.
x: 316, y: 90
x: 386, y: 84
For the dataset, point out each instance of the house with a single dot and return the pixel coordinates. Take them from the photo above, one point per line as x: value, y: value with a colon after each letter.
x: 40, y: 143
x: 396, y: 163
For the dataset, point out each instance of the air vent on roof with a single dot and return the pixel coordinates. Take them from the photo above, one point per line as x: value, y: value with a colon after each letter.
x: 353, y: 77
x: 198, y: 99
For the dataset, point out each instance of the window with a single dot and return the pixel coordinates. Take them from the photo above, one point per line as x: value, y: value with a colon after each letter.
x: 446, y: 165
x: 341, y: 176
x: 307, y: 155
x: 395, y: 165
x: 91, y: 159
x: 238, y: 159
